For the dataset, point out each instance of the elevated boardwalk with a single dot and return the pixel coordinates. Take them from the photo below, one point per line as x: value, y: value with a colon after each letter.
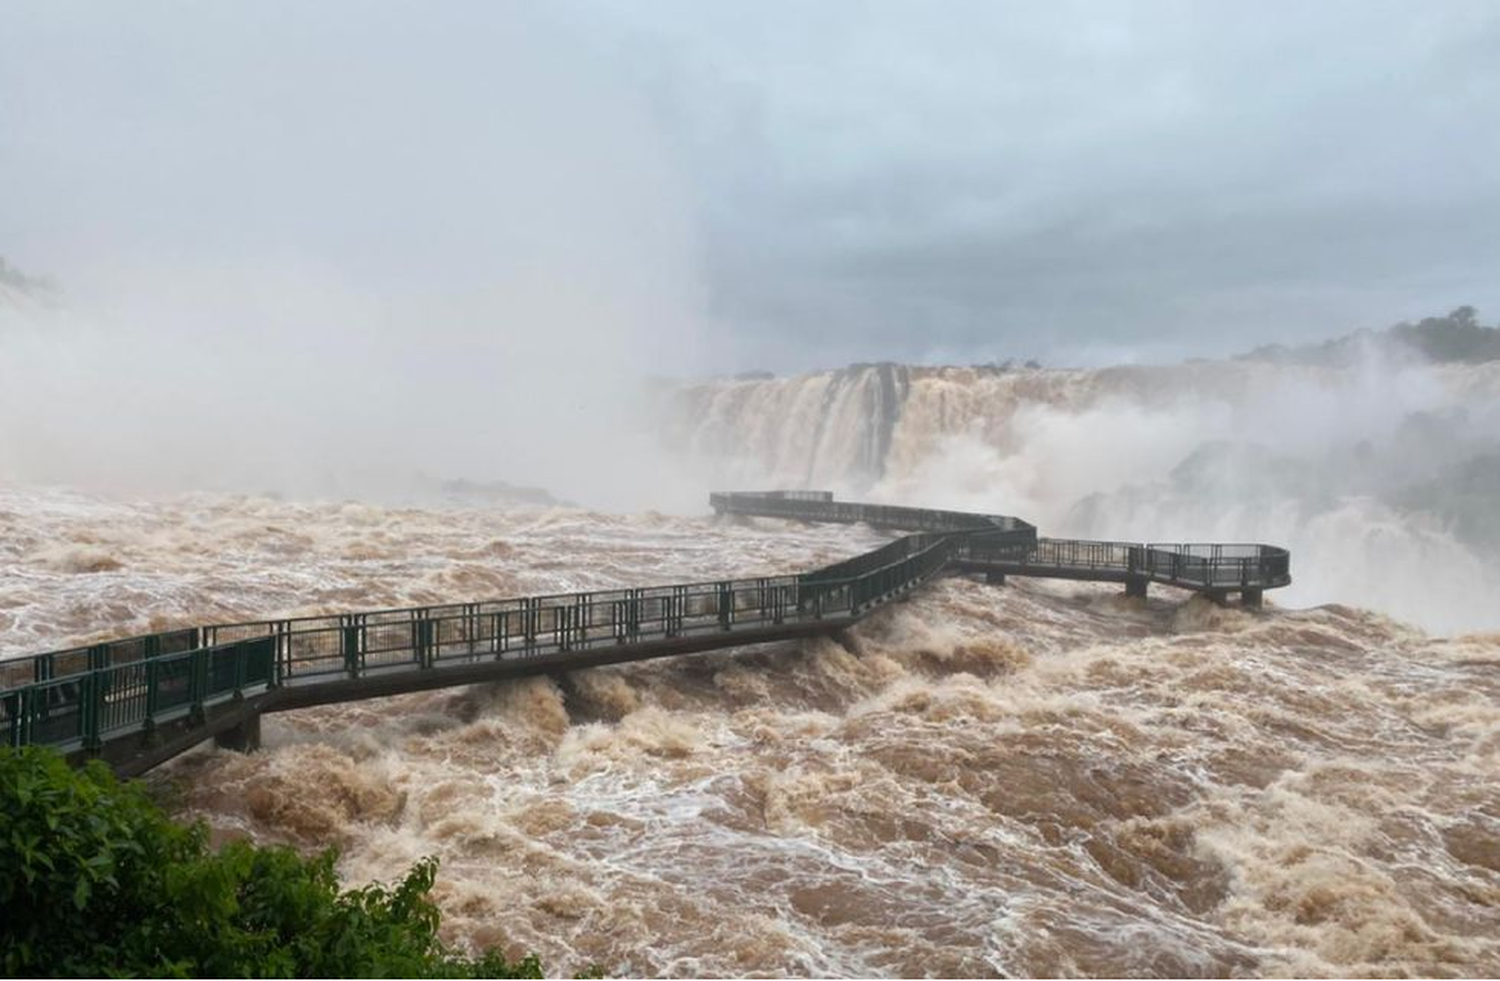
x: 1213, y: 569
x: 139, y: 701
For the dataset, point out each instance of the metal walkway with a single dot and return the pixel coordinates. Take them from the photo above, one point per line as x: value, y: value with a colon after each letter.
x: 139, y: 701
x: 1213, y: 569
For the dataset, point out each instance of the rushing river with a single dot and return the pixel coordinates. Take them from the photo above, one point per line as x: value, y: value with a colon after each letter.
x: 1040, y: 778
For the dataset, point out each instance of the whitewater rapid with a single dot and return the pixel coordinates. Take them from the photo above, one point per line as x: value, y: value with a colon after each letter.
x: 1041, y: 778
x: 1380, y: 477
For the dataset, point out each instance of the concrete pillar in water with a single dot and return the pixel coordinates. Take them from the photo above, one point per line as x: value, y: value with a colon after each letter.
x: 1135, y: 587
x: 995, y: 578
x: 1252, y: 598
x: 243, y: 738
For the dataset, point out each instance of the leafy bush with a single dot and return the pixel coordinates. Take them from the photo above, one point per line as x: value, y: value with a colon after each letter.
x: 96, y: 881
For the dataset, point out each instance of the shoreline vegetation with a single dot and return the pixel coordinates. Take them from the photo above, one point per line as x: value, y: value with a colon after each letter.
x: 97, y: 881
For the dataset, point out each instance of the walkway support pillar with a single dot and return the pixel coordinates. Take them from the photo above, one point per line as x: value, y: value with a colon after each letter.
x: 243, y: 738
x: 995, y: 578
x: 1135, y: 586
x: 1252, y: 599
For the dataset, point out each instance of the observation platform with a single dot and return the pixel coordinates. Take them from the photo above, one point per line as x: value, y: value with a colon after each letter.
x: 139, y: 701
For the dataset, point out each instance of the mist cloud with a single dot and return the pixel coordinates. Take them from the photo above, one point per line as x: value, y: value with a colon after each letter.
x: 314, y: 248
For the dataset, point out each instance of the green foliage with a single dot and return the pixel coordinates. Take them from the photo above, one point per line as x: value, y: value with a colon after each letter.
x: 96, y: 881
x: 1457, y: 338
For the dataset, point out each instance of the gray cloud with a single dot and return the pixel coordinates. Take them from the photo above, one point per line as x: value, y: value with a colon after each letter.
x: 785, y: 185
x: 968, y: 180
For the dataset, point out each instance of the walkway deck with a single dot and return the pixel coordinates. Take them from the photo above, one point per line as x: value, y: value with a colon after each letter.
x: 139, y: 701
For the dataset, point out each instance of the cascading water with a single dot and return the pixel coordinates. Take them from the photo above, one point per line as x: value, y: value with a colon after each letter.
x: 833, y: 427
x: 1335, y: 463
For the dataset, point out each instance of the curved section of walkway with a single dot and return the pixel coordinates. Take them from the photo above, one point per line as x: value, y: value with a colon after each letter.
x: 139, y: 701
x: 998, y: 543
x: 993, y: 544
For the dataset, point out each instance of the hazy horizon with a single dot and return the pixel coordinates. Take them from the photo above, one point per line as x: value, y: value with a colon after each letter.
x: 774, y: 186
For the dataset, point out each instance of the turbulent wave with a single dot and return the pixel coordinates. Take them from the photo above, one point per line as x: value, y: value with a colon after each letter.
x: 1042, y: 778
x: 1380, y: 476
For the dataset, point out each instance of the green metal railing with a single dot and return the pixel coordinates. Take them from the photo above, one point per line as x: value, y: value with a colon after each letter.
x: 80, y: 697
x: 1005, y: 541
x: 79, y: 710
x: 1192, y: 566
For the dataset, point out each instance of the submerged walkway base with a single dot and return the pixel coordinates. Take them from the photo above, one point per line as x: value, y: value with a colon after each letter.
x: 142, y: 700
x: 243, y: 738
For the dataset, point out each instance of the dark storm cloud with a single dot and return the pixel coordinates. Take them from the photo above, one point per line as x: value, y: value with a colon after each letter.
x: 963, y: 181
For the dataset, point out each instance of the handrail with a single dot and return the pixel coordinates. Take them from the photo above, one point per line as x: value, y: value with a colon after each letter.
x: 80, y: 697
x: 1204, y: 566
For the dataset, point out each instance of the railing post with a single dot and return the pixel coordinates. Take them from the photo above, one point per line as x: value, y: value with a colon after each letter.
x: 241, y: 652
x: 422, y: 638
x: 198, y: 682
x: 42, y: 669
x: 726, y: 605
x: 153, y: 693
x: 98, y: 657
x: 31, y: 710
x: 349, y: 633
x: 17, y: 708
x: 679, y: 609
x: 93, y: 705
x: 283, y: 635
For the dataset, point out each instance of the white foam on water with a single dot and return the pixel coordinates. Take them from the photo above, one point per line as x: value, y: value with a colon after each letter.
x: 1043, y: 778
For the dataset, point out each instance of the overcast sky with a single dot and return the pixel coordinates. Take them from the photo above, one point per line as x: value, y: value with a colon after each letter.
x: 782, y: 185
